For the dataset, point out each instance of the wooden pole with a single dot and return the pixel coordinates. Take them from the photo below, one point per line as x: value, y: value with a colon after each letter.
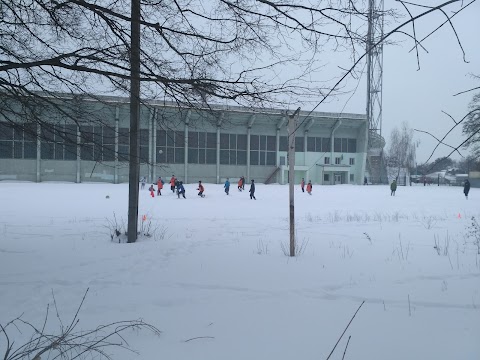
x: 291, y: 176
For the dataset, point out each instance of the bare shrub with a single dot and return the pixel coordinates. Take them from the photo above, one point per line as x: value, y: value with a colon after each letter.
x: 161, y: 233
x: 442, y: 249
x: 300, y: 247
x: 262, y: 247
x: 428, y: 222
x: 401, y: 250
x: 69, y: 342
x: 473, y: 232
x: 117, y: 230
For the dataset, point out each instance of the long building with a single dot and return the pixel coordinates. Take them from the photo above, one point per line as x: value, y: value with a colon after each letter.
x: 86, y: 139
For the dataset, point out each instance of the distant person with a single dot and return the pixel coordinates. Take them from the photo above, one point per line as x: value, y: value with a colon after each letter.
x: 143, y: 180
x: 424, y: 181
x: 393, y: 187
x: 242, y: 179
x: 239, y: 185
x: 365, y: 182
x: 180, y: 190
x: 309, y: 187
x: 227, y: 186
x: 152, y: 191
x: 200, y: 189
x: 466, y: 188
x: 302, y: 185
x: 160, y: 183
x: 172, y: 183
x: 252, y: 190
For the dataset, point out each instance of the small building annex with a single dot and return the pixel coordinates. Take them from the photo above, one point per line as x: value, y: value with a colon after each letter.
x: 86, y: 139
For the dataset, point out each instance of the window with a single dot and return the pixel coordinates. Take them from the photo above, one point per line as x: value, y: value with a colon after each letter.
x: 254, y: 142
x: 18, y: 141
x: 352, y: 146
x: 262, y: 150
x: 224, y: 141
x: 144, y: 143
x: 242, y: 142
x: 71, y: 142
x: 59, y: 142
x: 345, y: 145
x: 202, y: 147
x: 311, y: 144
x: 124, y: 144
x: 326, y: 177
x: 352, y: 161
x: 108, y: 144
x: 352, y: 178
x: 299, y: 144
x: 326, y: 161
x: 325, y: 144
x: 233, y: 149
x: 337, y: 145
x: 283, y: 143
x: 48, y: 141
x: 338, y: 160
x: 6, y: 140
x: 170, y: 146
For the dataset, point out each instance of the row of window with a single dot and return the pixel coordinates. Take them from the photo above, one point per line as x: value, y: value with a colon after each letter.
x: 97, y: 143
x: 326, y: 177
x: 338, y: 160
x: 319, y: 144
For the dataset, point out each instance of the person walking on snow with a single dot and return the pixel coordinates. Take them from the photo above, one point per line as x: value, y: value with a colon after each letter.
x: 252, y: 190
x: 309, y: 187
x: 393, y: 187
x: 227, y: 186
x: 180, y: 190
x: 243, y: 182
x: 302, y: 185
x: 152, y: 191
x: 466, y: 188
x: 159, y: 186
x: 172, y: 183
x: 200, y: 189
x: 143, y: 180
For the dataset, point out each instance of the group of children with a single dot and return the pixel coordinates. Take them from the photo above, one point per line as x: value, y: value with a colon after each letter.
x: 177, y: 186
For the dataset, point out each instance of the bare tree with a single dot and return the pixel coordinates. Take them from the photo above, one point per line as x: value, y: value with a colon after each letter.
x: 471, y: 125
x: 471, y: 129
x: 251, y: 53
x: 401, y: 150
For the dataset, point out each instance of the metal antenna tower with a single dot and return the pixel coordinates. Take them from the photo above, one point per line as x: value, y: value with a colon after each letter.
x: 375, y: 164
x: 375, y: 71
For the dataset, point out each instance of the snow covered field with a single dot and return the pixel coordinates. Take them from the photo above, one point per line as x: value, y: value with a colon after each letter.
x: 214, y: 268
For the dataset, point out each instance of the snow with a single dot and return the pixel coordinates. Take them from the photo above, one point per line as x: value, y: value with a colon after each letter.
x: 215, y: 269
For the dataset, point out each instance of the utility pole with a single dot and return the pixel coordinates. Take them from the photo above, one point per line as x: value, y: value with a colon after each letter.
x: 134, y: 166
x: 291, y: 176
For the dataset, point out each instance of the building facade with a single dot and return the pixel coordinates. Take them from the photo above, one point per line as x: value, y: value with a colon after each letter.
x: 82, y: 139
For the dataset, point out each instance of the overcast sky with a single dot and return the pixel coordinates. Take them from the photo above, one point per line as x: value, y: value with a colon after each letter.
x: 420, y: 96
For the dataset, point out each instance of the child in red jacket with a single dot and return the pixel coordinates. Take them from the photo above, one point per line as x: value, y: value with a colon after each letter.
x: 152, y: 191
x: 200, y: 189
